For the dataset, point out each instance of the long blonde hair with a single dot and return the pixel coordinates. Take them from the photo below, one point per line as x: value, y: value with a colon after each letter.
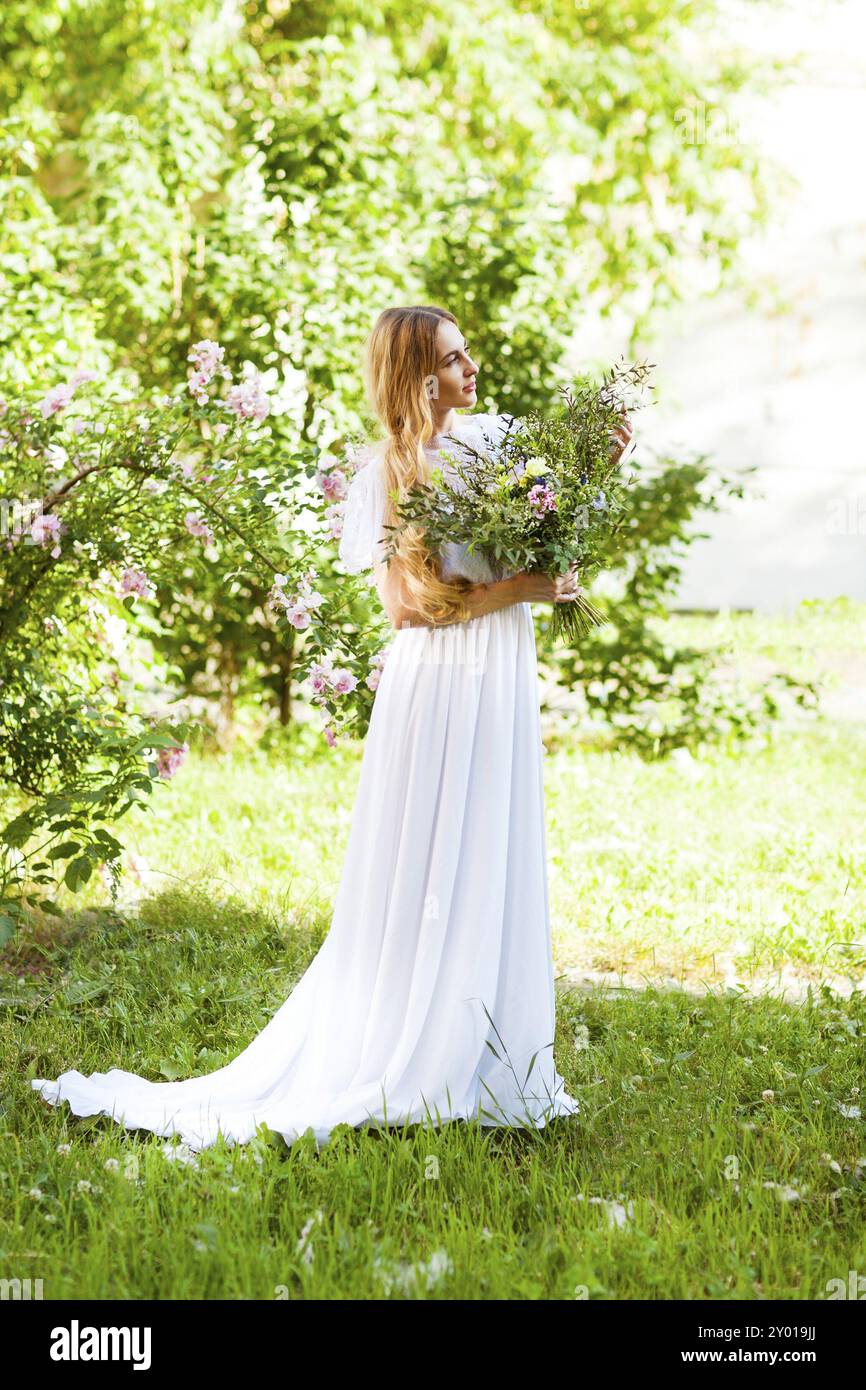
x: 399, y: 361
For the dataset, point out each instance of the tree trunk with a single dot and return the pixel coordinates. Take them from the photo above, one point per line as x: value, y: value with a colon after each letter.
x: 225, y: 722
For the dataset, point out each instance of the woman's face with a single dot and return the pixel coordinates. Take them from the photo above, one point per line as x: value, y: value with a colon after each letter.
x: 453, y: 383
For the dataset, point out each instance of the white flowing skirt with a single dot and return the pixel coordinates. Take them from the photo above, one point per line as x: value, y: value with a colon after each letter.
x: 432, y: 997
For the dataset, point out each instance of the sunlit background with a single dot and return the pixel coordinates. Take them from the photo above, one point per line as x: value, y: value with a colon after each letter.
x: 771, y: 375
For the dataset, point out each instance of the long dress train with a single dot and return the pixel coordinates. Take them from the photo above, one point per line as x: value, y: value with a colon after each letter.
x: 432, y: 997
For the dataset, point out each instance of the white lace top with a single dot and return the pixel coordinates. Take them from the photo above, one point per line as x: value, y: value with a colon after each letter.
x: 362, y: 543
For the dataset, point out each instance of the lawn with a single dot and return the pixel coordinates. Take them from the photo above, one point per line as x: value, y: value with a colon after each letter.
x: 708, y: 919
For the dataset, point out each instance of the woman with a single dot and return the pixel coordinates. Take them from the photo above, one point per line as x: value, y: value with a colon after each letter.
x: 432, y: 996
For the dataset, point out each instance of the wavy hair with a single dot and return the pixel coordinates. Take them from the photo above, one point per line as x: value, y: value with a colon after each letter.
x: 399, y: 363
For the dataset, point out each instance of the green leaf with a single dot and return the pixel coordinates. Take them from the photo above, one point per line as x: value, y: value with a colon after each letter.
x: 78, y: 872
x: 64, y: 851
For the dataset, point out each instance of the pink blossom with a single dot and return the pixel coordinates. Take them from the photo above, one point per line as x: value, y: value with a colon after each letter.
x: 376, y: 667
x: 197, y: 527
x: 343, y: 682
x: 311, y: 597
x: 542, y: 499
x: 277, y: 598
x: 335, y: 517
x: 134, y: 582
x: 170, y: 759
x: 356, y: 456
x: 55, y: 400
x: 248, y: 399
x: 325, y: 677
x: 221, y: 429
x: 297, y: 608
x: 330, y: 735
x: 79, y: 378
x: 298, y: 616
x: 46, y: 528
x: 333, y: 484
x: 207, y: 359
x: 320, y: 675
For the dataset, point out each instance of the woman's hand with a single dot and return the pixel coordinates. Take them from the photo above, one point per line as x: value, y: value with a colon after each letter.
x: 525, y: 587
x: 548, y: 588
x: 621, y: 436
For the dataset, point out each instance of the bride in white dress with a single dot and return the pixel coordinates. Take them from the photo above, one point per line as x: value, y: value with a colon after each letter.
x: 432, y: 997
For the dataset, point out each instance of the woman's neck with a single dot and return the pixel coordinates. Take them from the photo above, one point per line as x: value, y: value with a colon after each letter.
x: 445, y: 424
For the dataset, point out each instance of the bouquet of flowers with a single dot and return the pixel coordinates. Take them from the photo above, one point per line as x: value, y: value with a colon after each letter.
x: 549, y: 495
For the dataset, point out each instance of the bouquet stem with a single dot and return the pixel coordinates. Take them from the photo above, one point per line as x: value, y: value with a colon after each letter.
x: 572, y: 621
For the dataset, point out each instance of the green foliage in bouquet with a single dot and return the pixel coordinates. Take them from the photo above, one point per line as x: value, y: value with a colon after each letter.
x: 550, y: 494
x: 645, y: 690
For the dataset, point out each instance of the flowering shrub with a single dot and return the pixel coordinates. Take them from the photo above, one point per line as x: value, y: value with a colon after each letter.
x: 104, y: 505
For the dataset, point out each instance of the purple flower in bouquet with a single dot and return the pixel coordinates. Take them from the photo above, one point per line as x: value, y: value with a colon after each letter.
x: 542, y: 499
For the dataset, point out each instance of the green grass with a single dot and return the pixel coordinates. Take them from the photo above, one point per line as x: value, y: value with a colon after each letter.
x: 729, y: 869
x: 719, y: 1153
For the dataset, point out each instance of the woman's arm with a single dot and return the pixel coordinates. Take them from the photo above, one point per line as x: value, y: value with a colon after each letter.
x: 521, y: 588
x: 480, y: 599
x: 394, y: 596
